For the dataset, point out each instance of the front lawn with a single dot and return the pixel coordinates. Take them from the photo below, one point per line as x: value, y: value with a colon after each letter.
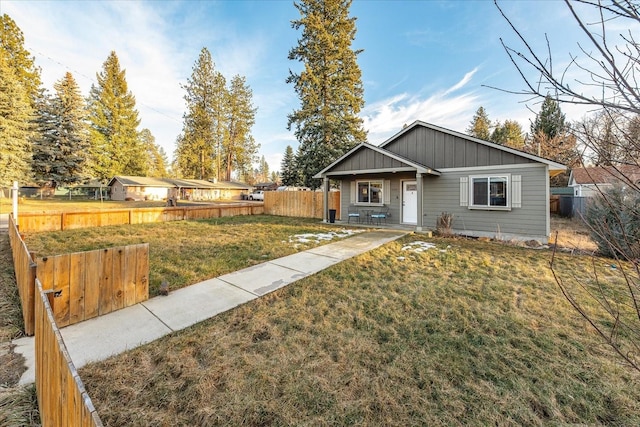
x: 187, y: 252
x: 463, y: 333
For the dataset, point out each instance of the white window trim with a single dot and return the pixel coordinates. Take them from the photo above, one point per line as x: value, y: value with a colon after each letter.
x: 489, y: 207
x: 382, y: 188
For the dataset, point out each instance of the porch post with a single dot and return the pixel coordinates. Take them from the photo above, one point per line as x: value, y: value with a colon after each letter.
x: 325, y: 199
x: 420, y: 198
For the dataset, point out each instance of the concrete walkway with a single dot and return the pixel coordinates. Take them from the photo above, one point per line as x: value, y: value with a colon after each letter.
x: 122, y: 330
x: 4, y: 222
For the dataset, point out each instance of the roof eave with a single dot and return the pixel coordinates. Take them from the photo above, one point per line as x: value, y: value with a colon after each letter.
x: 426, y: 171
x: 411, y: 165
x: 552, y: 165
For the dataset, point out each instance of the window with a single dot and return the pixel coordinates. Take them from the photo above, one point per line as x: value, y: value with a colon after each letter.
x: 494, y: 192
x: 490, y: 191
x: 369, y: 192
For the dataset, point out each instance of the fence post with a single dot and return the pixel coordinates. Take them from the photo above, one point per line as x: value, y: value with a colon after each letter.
x: 14, y: 194
x: 50, y: 294
x: 29, y: 318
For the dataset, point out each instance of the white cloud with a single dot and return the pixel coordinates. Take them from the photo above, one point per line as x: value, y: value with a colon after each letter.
x: 462, y: 83
x: 384, y: 118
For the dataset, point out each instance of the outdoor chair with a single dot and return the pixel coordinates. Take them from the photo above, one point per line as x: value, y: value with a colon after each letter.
x: 380, y: 216
x: 353, y: 213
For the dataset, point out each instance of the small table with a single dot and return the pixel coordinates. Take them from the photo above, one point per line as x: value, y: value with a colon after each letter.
x: 367, y: 214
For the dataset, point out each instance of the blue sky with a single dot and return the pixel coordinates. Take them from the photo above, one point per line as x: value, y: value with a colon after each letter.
x: 422, y: 60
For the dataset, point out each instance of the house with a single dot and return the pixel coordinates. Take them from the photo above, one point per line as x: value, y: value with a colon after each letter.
x: 586, y: 182
x: 147, y: 188
x: 199, y: 190
x: 266, y: 186
x: 139, y: 188
x: 424, y: 171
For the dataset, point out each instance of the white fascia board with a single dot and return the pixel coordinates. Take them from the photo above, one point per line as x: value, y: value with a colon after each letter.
x: 495, y: 167
x: 410, y: 164
x: 372, y: 171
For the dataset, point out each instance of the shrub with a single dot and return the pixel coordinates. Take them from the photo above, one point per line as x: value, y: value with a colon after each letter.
x: 444, y: 226
x: 614, y: 220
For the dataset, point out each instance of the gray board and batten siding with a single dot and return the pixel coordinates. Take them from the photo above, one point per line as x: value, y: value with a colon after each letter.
x: 442, y: 194
x: 530, y: 221
x: 447, y: 161
x: 393, y: 183
x: 441, y: 150
x: 372, y: 159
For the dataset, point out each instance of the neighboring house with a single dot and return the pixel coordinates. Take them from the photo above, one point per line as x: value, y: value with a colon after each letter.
x: 292, y: 188
x: 425, y: 170
x: 231, y: 190
x: 199, y: 190
x: 139, y: 188
x: 586, y: 182
x: 266, y: 186
x: 147, y: 188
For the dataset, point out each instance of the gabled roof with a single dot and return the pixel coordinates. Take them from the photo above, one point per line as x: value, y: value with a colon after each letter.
x: 409, y: 164
x: 144, y: 181
x: 232, y: 185
x: 553, y: 166
x: 604, y: 175
x: 141, y: 181
x: 190, y: 183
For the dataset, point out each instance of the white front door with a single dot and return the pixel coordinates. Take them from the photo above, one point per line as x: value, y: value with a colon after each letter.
x: 409, y: 202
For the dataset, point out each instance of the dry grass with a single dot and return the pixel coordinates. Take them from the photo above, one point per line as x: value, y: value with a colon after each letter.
x: 572, y: 233
x: 11, y: 324
x: 187, y: 252
x: 467, y: 333
x: 18, y: 406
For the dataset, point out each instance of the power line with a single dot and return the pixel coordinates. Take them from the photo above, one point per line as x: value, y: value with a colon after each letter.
x: 93, y: 81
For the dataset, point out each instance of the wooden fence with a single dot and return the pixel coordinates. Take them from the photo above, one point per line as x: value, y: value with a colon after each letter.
x: 55, y: 221
x: 554, y: 204
x: 25, y: 271
x: 304, y: 204
x: 84, y: 284
x: 94, y: 283
x: 62, y: 398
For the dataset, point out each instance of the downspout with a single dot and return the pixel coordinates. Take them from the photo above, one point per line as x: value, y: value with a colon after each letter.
x: 420, y: 201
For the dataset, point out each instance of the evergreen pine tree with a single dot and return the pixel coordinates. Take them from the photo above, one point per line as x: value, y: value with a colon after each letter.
x: 19, y: 83
x: 263, y: 170
x: 550, y: 120
x: 480, y: 126
x: 61, y: 150
x: 16, y: 115
x: 19, y: 59
x: 551, y: 138
x: 330, y: 86
x: 288, y: 168
x: 156, y: 155
x: 239, y: 147
x: 116, y: 148
x: 203, y: 129
x: 509, y: 134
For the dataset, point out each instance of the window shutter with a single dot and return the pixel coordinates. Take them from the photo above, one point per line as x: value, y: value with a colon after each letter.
x: 386, y: 191
x: 464, y: 191
x: 352, y: 193
x: 516, y: 191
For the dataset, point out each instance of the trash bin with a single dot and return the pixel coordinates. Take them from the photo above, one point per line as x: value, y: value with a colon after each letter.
x: 332, y: 216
